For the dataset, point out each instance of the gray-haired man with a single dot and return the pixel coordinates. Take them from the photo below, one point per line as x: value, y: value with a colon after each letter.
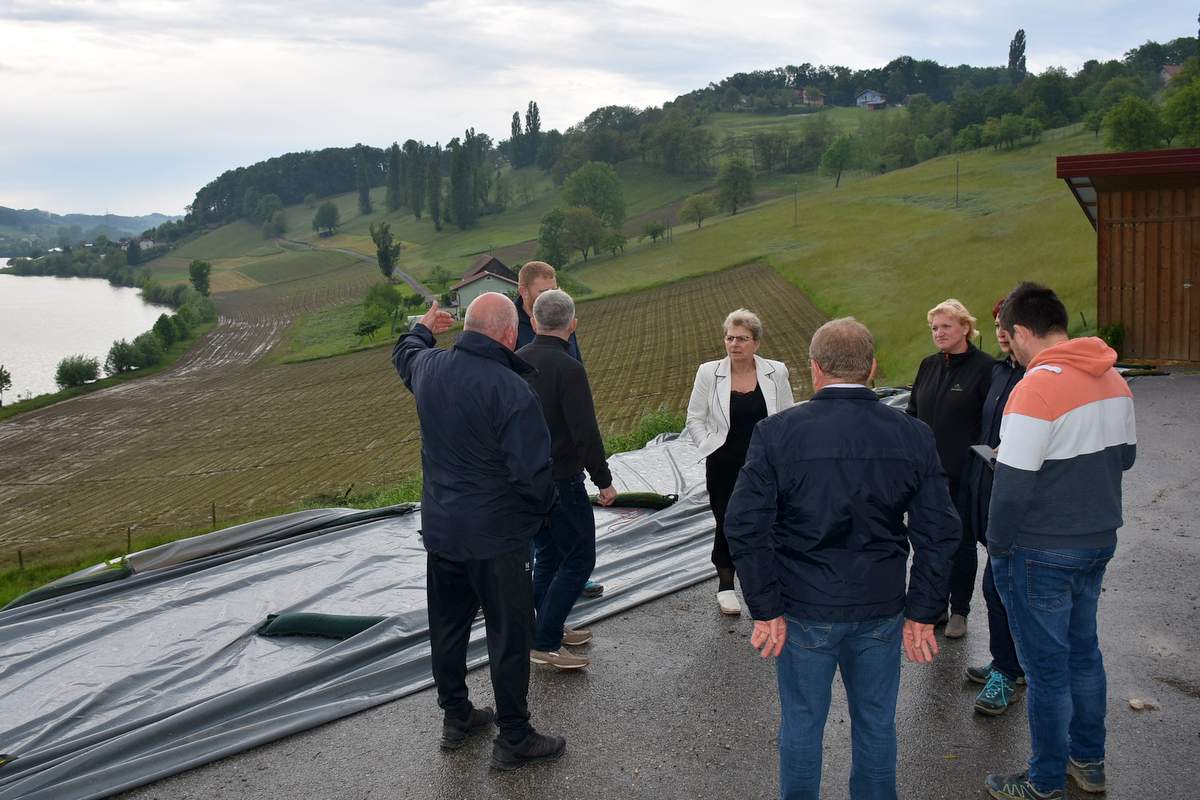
x: 564, y: 550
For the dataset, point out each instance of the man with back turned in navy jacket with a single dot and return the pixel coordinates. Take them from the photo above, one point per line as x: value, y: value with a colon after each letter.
x: 488, y: 489
x: 816, y: 526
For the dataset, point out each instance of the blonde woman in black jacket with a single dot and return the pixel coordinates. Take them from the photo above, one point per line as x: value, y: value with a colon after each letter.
x: 948, y: 395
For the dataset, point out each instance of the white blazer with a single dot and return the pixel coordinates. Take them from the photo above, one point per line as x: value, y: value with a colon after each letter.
x: 708, y: 410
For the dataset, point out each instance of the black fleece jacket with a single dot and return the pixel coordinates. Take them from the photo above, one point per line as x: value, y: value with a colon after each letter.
x: 561, y: 383
x: 948, y: 395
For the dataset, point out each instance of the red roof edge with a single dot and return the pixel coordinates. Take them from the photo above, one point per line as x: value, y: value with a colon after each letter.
x: 1150, y: 162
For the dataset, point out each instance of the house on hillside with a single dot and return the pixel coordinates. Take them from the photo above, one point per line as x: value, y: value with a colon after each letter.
x: 1145, y: 208
x: 871, y: 100
x: 487, y: 274
x: 1169, y: 71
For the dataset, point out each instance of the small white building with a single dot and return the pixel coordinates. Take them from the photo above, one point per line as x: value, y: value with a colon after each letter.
x: 480, y: 283
x: 871, y: 99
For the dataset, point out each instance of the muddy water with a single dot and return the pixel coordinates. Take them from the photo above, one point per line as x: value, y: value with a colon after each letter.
x: 45, y: 319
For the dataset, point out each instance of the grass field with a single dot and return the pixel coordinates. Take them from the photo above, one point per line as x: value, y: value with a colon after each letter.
x: 888, y: 248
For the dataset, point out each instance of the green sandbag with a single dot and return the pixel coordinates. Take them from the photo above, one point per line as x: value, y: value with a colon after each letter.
x: 5, y: 759
x: 64, y: 587
x: 326, y: 626
x: 639, y: 500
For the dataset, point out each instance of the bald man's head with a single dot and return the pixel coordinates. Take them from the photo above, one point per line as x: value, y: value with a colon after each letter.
x: 495, y: 316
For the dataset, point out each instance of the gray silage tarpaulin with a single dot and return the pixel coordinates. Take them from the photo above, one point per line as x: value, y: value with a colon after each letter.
x: 117, y: 685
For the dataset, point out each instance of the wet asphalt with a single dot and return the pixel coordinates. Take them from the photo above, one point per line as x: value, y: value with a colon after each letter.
x: 677, y: 705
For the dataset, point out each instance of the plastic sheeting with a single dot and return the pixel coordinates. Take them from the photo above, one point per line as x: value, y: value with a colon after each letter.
x: 116, y: 685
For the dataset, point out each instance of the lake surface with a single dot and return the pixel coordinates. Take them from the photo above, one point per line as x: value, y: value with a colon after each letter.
x: 43, y: 320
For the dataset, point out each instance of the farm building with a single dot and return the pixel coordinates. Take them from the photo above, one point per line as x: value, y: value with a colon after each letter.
x: 811, y: 97
x: 871, y: 100
x: 487, y: 274
x: 1145, y: 208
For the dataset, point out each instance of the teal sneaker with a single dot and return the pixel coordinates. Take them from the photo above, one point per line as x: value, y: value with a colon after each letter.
x: 996, y: 695
x: 1018, y: 787
x: 593, y: 589
x: 980, y: 674
x: 1088, y: 775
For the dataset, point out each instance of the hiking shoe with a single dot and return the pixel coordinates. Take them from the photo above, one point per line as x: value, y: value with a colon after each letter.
x: 558, y: 659
x: 980, y: 674
x: 1088, y: 775
x: 455, y: 732
x: 996, y: 695
x: 533, y: 748
x: 956, y: 628
x: 575, y: 637
x: 593, y: 589
x: 728, y: 602
x: 1018, y: 787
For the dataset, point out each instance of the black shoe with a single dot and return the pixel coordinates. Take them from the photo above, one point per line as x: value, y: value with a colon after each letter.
x: 533, y: 748
x: 456, y: 731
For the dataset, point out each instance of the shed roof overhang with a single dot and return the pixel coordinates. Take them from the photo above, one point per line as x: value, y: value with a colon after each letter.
x: 1087, y: 173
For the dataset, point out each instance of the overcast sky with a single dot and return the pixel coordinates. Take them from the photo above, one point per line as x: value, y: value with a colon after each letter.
x: 130, y: 106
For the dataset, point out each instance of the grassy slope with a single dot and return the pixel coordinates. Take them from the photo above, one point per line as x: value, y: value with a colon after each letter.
x: 888, y: 248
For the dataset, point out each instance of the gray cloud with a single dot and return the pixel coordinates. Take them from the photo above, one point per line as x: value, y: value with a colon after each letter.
x: 208, y: 85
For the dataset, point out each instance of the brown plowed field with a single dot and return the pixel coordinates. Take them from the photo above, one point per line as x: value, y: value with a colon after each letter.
x: 225, y: 427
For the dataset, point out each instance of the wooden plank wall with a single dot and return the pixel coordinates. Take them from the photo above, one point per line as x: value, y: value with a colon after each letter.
x: 1148, y: 252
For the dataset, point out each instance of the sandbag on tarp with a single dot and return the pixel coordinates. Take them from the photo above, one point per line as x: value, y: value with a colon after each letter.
x: 113, y: 686
x: 324, y: 626
x: 638, y: 500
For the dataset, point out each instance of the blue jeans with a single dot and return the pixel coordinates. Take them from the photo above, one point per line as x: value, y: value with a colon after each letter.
x: 564, y: 554
x: 868, y: 654
x: 1051, y: 597
x: 1000, y: 640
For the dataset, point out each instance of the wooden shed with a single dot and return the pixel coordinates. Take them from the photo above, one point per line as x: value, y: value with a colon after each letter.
x: 1145, y: 208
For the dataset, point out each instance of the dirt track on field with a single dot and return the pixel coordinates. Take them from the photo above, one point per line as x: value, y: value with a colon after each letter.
x: 226, y: 427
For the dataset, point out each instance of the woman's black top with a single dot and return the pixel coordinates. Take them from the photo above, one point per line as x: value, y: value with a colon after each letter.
x: 948, y: 395
x: 745, y: 410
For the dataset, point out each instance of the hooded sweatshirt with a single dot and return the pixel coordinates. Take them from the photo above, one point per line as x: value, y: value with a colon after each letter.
x: 1067, y: 435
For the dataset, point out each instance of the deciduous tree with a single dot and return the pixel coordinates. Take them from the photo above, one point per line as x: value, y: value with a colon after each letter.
x: 836, y: 159
x: 434, y: 185
x: 735, y: 184
x: 596, y: 186
x: 198, y: 272
x: 76, y: 371
x: 582, y: 230
x: 697, y: 208
x: 550, y: 239
x: 1016, y: 57
x: 327, y: 218
x: 5, y: 382
x: 386, y: 250
x: 1133, y: 124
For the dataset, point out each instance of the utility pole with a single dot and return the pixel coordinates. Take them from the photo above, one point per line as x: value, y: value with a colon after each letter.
x: 956, y: 183
x: 796, y: 203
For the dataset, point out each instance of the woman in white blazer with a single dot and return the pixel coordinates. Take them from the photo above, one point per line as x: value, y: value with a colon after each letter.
x: 729, y: 397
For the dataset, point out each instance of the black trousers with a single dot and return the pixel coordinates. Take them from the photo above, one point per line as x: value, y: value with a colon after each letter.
x: 720, y: 478
x: 456, y: 591
x: 1000, y: 640
x: 966, y: 557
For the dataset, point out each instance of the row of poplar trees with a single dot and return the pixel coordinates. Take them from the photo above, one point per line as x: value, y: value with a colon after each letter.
x: 414, y: 179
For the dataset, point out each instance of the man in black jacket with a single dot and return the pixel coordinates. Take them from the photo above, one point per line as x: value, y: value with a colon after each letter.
x: 487, y: 490
x: 817, y: 531
x: 565, y: 550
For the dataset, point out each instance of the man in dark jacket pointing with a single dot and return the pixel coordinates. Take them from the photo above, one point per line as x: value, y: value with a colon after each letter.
x: 817, y: 531
x: 488, y: 489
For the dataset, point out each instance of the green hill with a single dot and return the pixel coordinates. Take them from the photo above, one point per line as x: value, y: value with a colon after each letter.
x: 884, y: 248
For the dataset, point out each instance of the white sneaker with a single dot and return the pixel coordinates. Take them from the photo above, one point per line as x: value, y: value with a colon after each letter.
x: 728, y: 602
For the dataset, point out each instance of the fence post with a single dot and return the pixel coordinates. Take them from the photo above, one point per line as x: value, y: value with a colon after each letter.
x: 214, y: 515
x: 20, y: 560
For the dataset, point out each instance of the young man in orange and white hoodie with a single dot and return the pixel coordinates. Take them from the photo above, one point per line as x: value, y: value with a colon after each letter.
x: 1067, y: 436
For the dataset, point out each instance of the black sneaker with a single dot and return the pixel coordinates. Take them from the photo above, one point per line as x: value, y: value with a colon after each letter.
x: 533, y: 748
x: 1088, y: 775
x: 455, y: 732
